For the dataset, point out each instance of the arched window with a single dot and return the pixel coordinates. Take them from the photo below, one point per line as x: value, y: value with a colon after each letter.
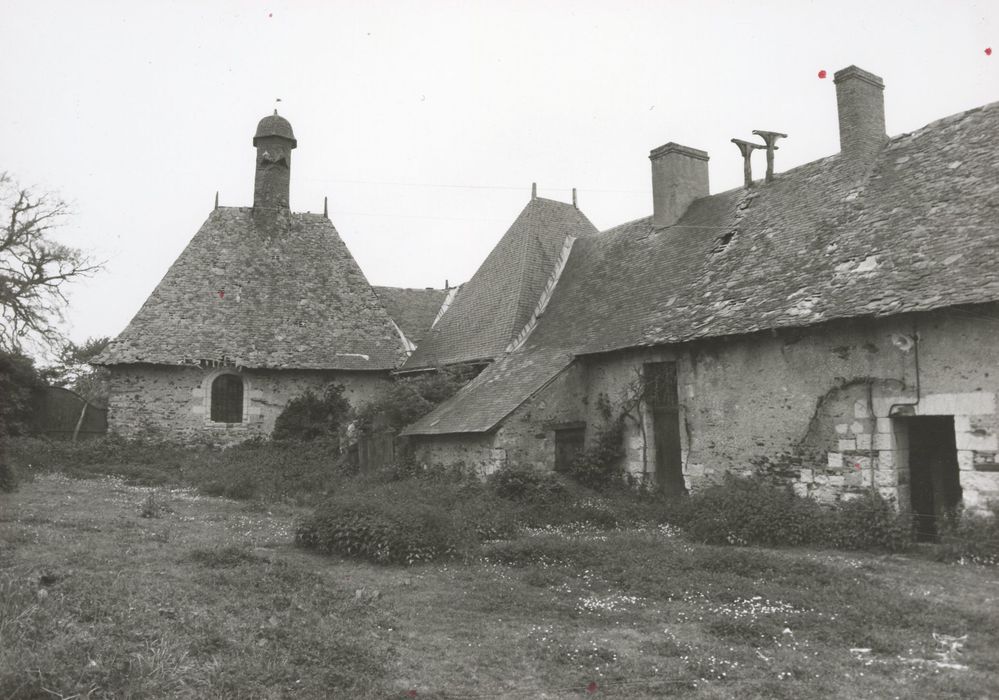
x: 227, y: 399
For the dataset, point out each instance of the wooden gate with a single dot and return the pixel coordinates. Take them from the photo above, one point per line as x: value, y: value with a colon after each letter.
x: 376, y: 451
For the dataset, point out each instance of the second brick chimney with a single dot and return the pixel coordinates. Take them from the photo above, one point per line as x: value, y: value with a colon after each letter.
x: 679, y: 176
x: 861, y: 101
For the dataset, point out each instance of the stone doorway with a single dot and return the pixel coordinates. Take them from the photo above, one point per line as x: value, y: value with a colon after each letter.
x: 662, y: 399
x: 934, y: 477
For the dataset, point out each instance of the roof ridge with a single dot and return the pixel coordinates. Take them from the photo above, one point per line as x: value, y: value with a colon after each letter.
x: 908, y: 231
x: 531, y: 212
x: 949, y: 119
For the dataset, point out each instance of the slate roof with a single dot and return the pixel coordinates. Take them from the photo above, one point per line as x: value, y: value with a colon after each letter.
x: 413, y: 310
x: 499, y: 299
x: 498, y: 390
x: 275, y: 289
x: 918, y: 230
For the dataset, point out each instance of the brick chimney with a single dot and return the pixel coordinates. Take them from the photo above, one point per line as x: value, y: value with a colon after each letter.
x: 861, y: 101
x: 274, y: 140
x: 679, y: 176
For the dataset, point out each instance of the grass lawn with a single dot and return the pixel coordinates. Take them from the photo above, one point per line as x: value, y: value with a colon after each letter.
x: 208, y: 598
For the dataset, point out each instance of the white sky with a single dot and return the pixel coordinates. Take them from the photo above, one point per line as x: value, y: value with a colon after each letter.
x: 426, y: 122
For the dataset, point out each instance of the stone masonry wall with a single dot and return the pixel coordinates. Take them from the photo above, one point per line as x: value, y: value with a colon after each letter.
x: 174, y: 402
x: 525, y: 438
x: 824, y: 406
x: 474, y: 452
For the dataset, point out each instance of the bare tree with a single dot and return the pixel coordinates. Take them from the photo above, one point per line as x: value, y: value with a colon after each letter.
x: 34, y: 268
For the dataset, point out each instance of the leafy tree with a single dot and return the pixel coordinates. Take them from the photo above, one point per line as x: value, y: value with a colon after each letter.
x: 18, y: 377
x: 72, y: 370
x: 34, y: 270
x: 309, y: 416
x: 410, y: 398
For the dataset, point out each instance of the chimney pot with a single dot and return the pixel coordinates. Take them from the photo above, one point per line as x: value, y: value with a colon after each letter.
x: 679, y: 176
x: 861, y: 103
x: 770, y: 138
x: 746, y: 148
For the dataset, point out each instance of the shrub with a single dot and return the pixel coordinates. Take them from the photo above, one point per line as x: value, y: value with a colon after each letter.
x: 748, y: 511
x: 404, y: 522
x: 309, y: 417
x: 868, y: 522
x: 745, y: 511
x: 528, y: 485
x: 408, y: 399
x: 598, y: 466
x: 971, y: 537
x: 18, y: 378
x: 303, y: 472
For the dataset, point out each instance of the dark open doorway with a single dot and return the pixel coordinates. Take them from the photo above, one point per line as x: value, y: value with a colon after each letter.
x: 663, y: 401
x: 935, y: 481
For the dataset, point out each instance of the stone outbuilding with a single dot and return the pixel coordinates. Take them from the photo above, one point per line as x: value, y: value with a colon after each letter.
x: 836, y: 325
x: 263, y: 304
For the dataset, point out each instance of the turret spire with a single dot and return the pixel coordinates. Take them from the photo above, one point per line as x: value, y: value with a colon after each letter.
x: 274, y: 141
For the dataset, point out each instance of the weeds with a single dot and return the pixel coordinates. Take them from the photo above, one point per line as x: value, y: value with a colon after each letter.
x: 226, y: 608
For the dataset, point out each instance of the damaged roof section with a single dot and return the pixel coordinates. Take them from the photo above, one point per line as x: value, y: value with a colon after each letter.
x: 280, y: 293
x: 493, y: 395
x: 498, y: 301
x: 917, y: 230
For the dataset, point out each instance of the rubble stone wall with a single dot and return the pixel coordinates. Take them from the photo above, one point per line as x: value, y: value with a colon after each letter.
x: 474, y: 452
x: 824, y: 406
x: 525, y: 438
x: 175, y: 403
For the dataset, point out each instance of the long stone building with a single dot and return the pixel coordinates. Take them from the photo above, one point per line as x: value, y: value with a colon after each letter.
x: 834, y: 324
x: 837, y: 324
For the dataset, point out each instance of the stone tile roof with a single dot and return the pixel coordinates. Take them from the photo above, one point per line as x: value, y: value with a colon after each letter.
x: 413, y: 310
x: 499, y: 299
x: 498, y: 390
x: 917, y: 230
x: 276, y: 289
